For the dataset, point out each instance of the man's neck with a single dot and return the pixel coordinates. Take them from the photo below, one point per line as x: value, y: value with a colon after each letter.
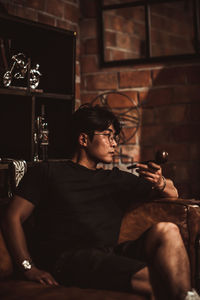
x: 84, y: 161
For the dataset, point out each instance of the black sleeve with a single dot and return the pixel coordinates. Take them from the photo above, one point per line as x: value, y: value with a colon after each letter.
x: 33, y: 184
x: 135, y: 188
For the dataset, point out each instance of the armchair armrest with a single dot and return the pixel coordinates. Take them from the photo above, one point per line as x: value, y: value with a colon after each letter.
x: 183, y: 212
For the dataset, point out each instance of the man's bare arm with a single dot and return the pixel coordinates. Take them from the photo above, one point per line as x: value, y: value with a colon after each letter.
x: 18, y: 211
x: 162, y: 187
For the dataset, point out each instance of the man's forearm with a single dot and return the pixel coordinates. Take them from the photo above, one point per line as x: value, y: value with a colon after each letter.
x: 16, y: 241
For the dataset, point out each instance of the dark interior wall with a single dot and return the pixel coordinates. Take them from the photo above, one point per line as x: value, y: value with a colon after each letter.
x: 169, y: 100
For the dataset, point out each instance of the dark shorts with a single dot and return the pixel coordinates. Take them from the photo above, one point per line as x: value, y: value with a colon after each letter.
x: 108, y: 268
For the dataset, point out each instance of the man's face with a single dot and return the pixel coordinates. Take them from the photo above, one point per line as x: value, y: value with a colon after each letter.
x: 102, y: 147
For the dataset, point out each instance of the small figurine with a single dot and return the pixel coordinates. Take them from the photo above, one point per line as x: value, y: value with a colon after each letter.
x: 19, y: 70
x: 35, y: 77
x: 19, y: 65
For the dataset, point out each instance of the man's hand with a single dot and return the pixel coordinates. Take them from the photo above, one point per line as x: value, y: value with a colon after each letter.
x: 152, y: 173
x: 41, y: 276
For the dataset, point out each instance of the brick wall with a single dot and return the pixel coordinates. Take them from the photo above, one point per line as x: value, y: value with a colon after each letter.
x: 171, y: 30
x: 169, y: 100
x: 59, y: 13
x: 169, y: 94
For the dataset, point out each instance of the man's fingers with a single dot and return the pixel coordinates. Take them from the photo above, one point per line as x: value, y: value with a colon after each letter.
x: 48, y: 279
x: 153, y: 166
x: 52, y: 281
x: 42, y: 281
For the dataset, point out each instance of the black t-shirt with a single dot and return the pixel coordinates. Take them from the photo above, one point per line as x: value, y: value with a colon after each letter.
x: 76, y: 207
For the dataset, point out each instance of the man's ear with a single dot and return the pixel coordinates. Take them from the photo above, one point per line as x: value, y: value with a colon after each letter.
x: 83, y: 139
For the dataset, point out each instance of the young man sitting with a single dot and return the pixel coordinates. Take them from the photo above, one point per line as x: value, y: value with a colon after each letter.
x: 78, y: 210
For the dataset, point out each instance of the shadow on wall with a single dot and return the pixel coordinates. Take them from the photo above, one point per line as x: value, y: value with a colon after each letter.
x: 169, y: 113
x: 170, y: 121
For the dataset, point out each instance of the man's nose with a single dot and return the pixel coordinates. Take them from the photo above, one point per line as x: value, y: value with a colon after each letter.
x: 113, y: 143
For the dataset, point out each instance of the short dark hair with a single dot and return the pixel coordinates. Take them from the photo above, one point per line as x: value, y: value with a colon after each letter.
x: 88, y: 118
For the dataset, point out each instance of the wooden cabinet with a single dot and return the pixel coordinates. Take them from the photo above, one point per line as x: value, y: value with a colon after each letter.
x: 54, y: 50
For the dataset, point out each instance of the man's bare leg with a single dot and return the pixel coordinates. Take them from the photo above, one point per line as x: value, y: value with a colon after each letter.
x: 141, y: 284
x: 168, y: 262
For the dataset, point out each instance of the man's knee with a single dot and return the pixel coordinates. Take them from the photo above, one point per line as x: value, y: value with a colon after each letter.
x: 160, y: 234
x: 165, y: 230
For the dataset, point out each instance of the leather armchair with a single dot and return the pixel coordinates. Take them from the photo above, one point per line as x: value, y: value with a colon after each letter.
x: 184, y: 212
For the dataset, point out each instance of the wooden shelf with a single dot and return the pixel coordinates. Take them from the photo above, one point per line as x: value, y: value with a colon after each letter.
x: 38, y: 93
x: 54, y: 50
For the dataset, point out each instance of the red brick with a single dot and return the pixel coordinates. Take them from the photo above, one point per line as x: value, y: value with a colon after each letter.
x: 55, y: 7
x: 147, y: 153
x: 184, y: 189
x: 176, y: 151
x: 88, y: 28
x: 194, y: 170
x: 133, y: 95
x: 167, y: 11
x: 160, y: 39
x: 77, y: 68
x: 89, y: 64
x: 88, y: 8
x: 154, y: 134
x: 148, y: 116
x: 185, y: 133
x: 78, y: 91
x: 101, y: 81
x: 132, y: 27
x: 71, y: 13
x: 83, y: 82
x: 75, y: 2
x: 9, y: 8
x: 113, y: 22
x: 113, y: 54
x: 123, y: 41
x: 67, y: 26
x: 187, y: 94
x: 36, y: 4
x: 194, y: 189
x: 172, y: 114
x: 78, y: 51
x: 156, y: 97
x: 45, y: 19
x: 77, y: 104
x: 169, y: 76
x: 195, y: 113
x: 26, y: 13
x: 119, y: 100
x: 91, y: 46
x: 182, y: 173
x: 183, y: 46
x: 87, y: 98
x: 62, y: 24
x: 193, y: 74
x: 128, y: 135
x: 194, y: 151
x: 134, y: 79
x: 110, y: 39
x: 134, y: 13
